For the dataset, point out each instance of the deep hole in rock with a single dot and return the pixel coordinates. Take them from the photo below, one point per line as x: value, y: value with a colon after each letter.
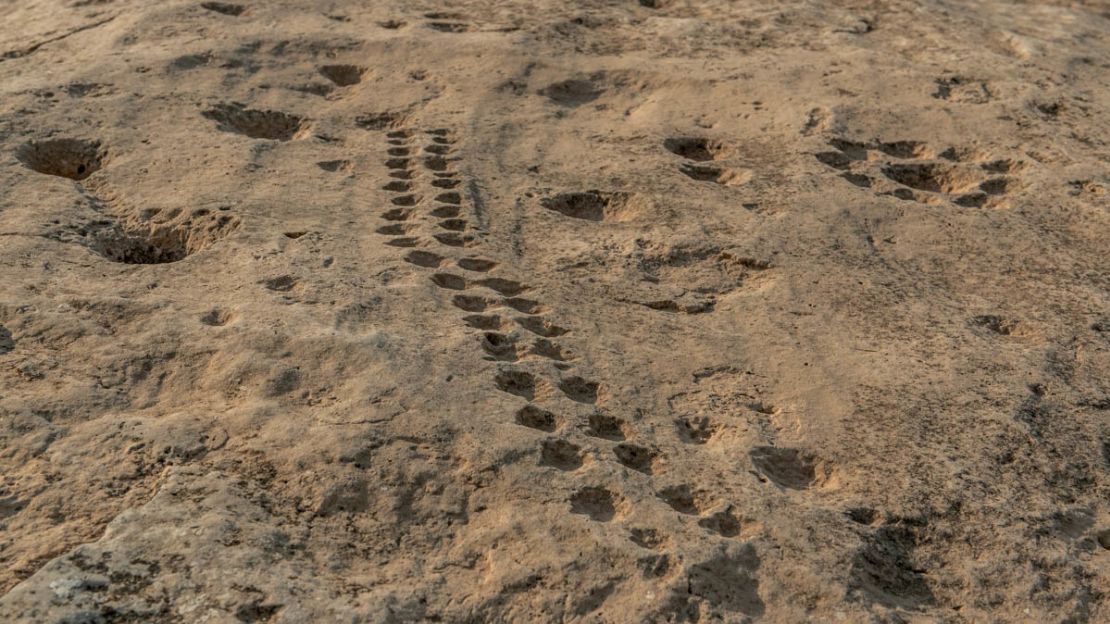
x: 75, y: 159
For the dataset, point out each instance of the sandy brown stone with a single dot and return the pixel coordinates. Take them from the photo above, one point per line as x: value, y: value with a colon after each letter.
x: 535, y: 311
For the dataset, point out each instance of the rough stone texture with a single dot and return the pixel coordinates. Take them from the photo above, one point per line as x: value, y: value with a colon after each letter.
x: 622, y: 311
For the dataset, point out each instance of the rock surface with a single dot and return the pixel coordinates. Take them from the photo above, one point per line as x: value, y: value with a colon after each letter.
x: 596, y: 311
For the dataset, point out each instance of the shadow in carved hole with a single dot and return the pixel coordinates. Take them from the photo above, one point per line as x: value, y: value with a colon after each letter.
x: 75, y: 159
x: 7, y: 343
x: 343, y: 75
x: 256, y: 124
x: 790, y: 468
x: 131, y: 243
x: 725, y: 582
x: 885, y: 569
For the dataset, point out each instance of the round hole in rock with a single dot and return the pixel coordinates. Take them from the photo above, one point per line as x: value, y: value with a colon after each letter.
x: 342, y: 75
x: 75, y: 159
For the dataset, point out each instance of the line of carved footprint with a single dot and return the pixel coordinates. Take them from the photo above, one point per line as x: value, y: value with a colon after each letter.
x: 512, y: 328
x: 915, y: 171
x: 495, y: 307
x: 603, y: 504
x: 595, y: 501
x: 410, y: 167
x: 501, y: 338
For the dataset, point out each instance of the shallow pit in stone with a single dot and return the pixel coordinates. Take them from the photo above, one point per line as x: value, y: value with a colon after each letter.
x: 119, y: 245
x: 343, y: 75
x: 933, y: 177
x: 256, y: 124
x: 226, y: 8
x: 791, y: 468
x: 571, y: 93
x: 596, y: 205
x: 695, y: 148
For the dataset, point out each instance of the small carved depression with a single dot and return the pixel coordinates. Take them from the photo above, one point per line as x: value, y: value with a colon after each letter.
x: 256, y: 124
x: 75, y: 159
x: 597, y: 205
x: 343, y: 75
x: 695, y: 148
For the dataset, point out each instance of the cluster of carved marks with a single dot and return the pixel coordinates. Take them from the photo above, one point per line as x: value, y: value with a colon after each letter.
x: 915, y: 171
